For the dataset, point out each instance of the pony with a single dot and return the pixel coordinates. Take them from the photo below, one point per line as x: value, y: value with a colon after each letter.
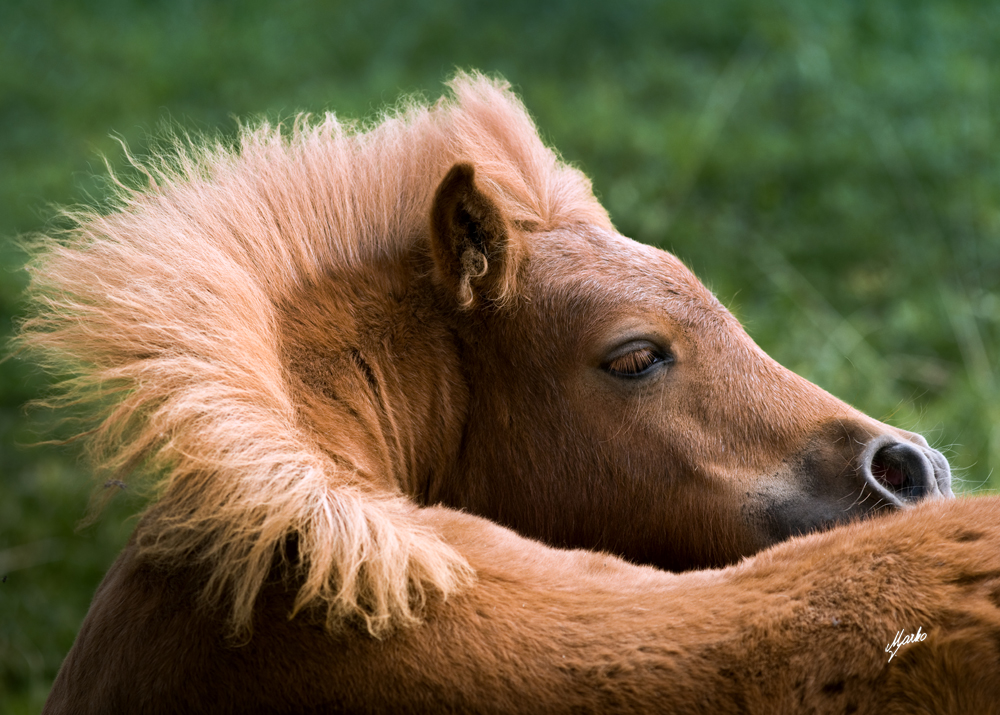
x: 423, y: 432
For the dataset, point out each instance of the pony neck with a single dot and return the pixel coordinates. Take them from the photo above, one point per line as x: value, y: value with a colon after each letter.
x: 376, y: 374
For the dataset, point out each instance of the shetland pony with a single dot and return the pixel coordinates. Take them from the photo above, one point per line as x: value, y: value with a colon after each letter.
x: 409, y: 407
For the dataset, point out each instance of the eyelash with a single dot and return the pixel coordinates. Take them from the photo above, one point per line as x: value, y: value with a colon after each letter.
x: 634, y: 363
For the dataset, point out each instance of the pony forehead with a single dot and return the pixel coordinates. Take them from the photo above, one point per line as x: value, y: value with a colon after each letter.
x: 607, y: 269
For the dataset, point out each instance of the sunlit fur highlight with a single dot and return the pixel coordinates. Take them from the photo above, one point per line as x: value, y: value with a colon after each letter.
x: 164, y: 314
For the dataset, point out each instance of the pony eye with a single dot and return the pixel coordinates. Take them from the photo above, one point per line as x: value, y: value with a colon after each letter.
x: 637, y: 361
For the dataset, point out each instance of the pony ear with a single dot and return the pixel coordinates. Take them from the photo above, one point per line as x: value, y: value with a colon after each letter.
x: 471, y: 241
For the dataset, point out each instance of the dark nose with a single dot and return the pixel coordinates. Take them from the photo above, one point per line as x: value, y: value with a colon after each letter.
x: 906, y: 472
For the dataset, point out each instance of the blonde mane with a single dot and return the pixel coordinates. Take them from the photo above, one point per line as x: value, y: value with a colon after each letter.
x: 165, y: 315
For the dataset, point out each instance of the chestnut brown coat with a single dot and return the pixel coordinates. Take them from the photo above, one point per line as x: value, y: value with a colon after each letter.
x: 330, y: 349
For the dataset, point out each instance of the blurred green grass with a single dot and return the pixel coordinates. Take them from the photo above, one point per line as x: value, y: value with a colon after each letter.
x: 830, y: 170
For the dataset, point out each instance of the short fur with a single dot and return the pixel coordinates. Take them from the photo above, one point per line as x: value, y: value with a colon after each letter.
x: 801, y: 628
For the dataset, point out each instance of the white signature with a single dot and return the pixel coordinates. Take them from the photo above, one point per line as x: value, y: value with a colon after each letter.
x: 900, y: 640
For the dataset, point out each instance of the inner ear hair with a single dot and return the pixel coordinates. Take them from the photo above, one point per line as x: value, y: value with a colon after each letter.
x: 474, y: 265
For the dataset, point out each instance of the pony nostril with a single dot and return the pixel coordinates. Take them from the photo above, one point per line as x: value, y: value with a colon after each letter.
x: 888, y: 474
x: 903, y: 470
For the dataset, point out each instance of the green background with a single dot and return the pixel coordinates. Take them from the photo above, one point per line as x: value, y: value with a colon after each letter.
x: 829, y: 169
